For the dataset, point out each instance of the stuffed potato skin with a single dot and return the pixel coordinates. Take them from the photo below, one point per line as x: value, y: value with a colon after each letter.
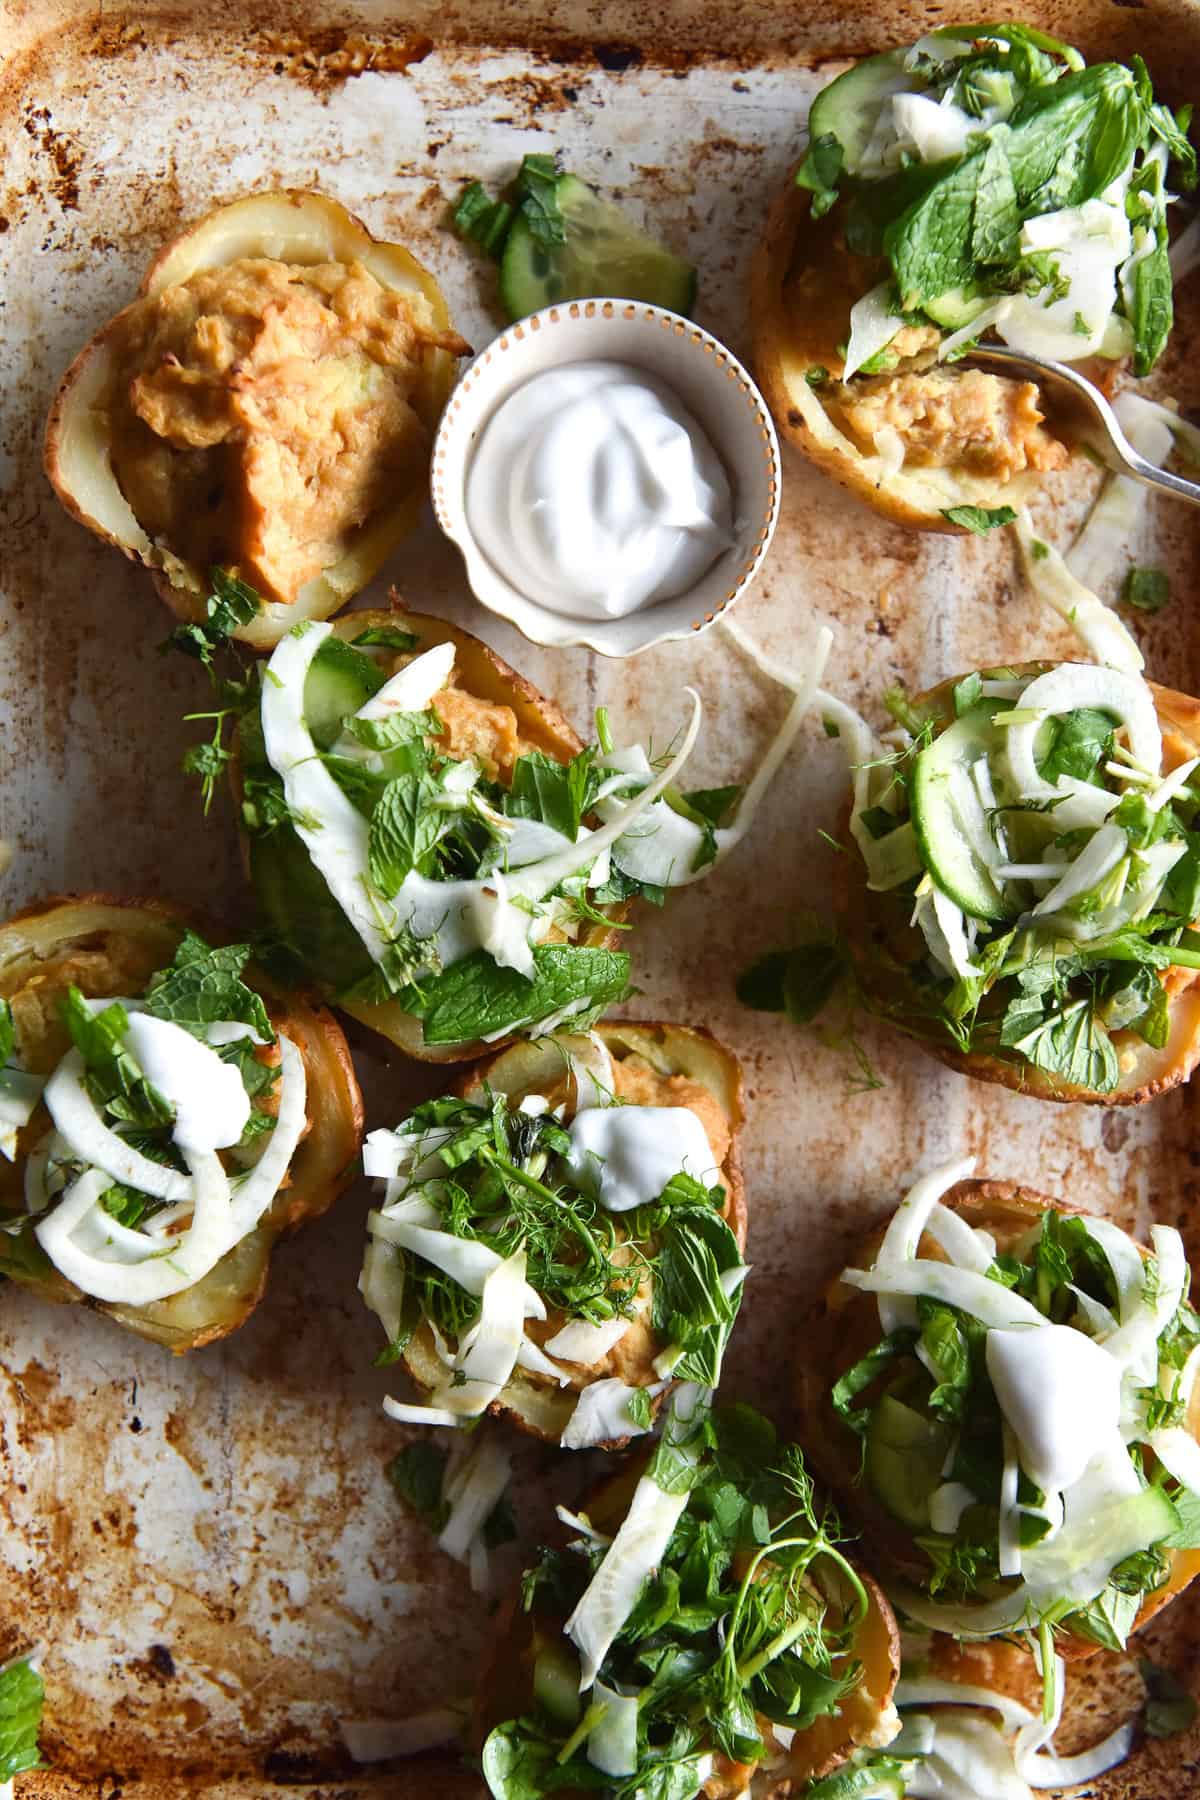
x: 540, y: 724
x: 537, y: 1068
x: 505, y: 1688
x: 288, y: 225
x: 845, y: 1324
x: 880, y: 938
x: 803, y: 283
x: 105, y: 945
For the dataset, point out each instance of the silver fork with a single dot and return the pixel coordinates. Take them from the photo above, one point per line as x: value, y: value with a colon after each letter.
x: 1078, y: 404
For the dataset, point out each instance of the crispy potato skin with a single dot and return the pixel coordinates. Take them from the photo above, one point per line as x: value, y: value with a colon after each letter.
x: 300, y: 226
x: 844, y: 1325
x: 540, y: 722
x: 531, y: 1406
x: 803, y: 282
x: 37, y: 942
x: 504, y: 1690
x: 874, y: 926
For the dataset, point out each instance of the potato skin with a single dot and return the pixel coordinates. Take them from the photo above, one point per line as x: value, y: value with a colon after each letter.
x: 843, y: 1326
x: 530, y: 1406
x: 286, y: 224
x: 801, y: 259
x: 504, y: 1690
x: 873, y: 924
x: 539, y: 720
x: 146, y: 931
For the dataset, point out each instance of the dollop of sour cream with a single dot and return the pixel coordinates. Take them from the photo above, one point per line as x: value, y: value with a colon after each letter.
x: 596, y: 493
x: 211, y: 1104
x: 626, y: 1155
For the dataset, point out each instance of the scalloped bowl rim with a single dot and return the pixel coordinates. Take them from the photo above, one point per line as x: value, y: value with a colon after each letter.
x: 712, y: 384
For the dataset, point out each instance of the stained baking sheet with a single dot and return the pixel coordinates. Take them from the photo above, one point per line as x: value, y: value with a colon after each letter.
x: 207, y: 1547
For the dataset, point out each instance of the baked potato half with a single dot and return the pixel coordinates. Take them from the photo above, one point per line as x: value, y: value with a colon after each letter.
x: 950, y: 911
x: 981, y: 184
x: 487, y: 716
x: 263, y: 410
x: 55, y: 958
x: 620, y: 1184
x: 743, y: 1541
x: 919, y: 1451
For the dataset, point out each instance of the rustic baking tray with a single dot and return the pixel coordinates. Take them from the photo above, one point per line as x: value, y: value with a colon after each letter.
x: 208, y: 1547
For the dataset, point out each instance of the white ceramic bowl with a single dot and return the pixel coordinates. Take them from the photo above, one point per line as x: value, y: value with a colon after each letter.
x: 714, y: 388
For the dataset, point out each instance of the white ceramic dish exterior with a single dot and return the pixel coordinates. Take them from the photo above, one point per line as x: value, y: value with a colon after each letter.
x: 714, y: 388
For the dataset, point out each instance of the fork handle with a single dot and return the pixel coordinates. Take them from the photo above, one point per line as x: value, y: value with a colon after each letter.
x: 1138, y: 469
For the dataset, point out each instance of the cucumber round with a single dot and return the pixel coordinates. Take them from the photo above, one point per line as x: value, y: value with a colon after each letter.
x: 848, y: 109
x: 340, y: 680
x: 904, y: 1456
x: 946, y: 845
x: 955, y: 308
x: 603, y: 254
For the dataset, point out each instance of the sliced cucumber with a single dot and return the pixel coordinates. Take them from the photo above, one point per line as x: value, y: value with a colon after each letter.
x: 340, y: 680
x: 556, y: 1682
x: 948, y: 828
x: 904, y: 1456
x: 955, y: 308
x: 848, y: 109
x: 602, y: 254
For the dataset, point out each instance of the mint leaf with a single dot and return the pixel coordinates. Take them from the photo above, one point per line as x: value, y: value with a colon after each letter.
x: 1082, y: 740
x: 231, y: 604
x: 1148, y: 590
x: 482, y: 220
x: 863, y: 1374
x: 689, y: 1306
x: 405, y: 828
x: 112, y: 1074
x: 203, y: 985
x: 556, y: 793
x: 714, y: 804
x: 536, y: 195
x: 475, y: 997
x: 820, y: 171
x: 996, y: 219
x: 797, y: 982
x: 417, y: 1474
x: 7, y: 1033
x: 21, y: 1697
x: 1071, y: 1044
x: 397, y: 729
x: 979, y: 519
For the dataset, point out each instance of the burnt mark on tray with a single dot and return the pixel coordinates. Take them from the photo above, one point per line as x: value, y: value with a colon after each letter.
x: 63, y: 154
x: 616, y: 58
x: 326, y: 57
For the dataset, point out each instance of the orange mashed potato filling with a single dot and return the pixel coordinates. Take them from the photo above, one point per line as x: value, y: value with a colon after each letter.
x: 987, y: 425
x: 265, y: 412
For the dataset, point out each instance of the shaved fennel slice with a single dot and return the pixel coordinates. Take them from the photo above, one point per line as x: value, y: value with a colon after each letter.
x: 1172, y: 784
x: 1179, y: 1454
x: 254, y: 1193
x: 873, y: 325
x: 964, y: 1244
x: 633, y: 1555
x: 70, y: 1106
x: 602, y: 1414
x: 1134, y: 1344
x: 995, y: 1306
x: 1068, y: 687
x: 1103, y: 544
x: 664, y: 851
x: 1097, y: 626
x: 978, y: 1619
x: 332, y: 830
x: 582, y: 1342
x: 1098, y: 858
x: 947, y: 1504
x: 412, y: 687
x: 612, y: 1741
x: 952, y: 922
x: 1125, y: 1261
x: 164, y: 1269
x: 903, y: 1235
x: 479, y: 1484
x: 415, y: 1225
x: 591, y: 1067
x: 1009, y: 1559
x: 381, y: 1284
x: 487, y: 1355
x: 532, y: 1357
x: 377, y: 1740
x: 926, y: 1691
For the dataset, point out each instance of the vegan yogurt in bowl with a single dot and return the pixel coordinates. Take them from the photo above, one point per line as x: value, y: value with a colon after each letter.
x: 611, y: 475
